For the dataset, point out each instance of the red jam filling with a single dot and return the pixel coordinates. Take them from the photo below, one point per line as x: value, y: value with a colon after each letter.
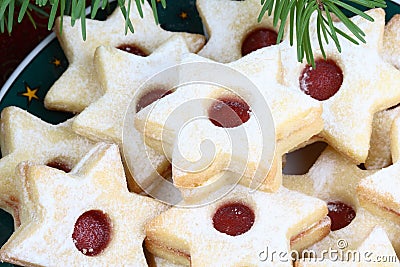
x: 92, y: 232
x: 233, y: 219
x: 133, y: 49
x: 150, y: 97
x: 229, y: 112
x: 258, y: 38
x: 322, y: 82
x: 341, y: 215
x: 59, y: 165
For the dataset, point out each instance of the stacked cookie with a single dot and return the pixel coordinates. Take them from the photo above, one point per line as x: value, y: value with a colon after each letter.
x: 88, y: 193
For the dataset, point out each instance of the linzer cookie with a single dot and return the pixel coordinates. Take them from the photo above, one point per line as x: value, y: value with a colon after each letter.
x: 380, y: 192
x: 379, y: 154
x: 120, y: 75
x: 84, y: 218
x: 334, y: 179
x: 391, y: 41
x: 233, y: 29
x: 351, y: 85
x: 375, y: 250
x: 26, y: 137
x: 296, y: 119
x: 241, y: 226
x: 78, y: 86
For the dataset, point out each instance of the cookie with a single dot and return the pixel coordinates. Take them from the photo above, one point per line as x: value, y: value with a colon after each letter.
x: 391, y: 41
x: 379, y: 155
x: 351, y: 85
x: 379, y: 192
x: 78, y: 86
x: 83, y: 218
x: 334, y: 179
x: 26, y: 137
x: 296, y: 119
x: 233, y: 29
x: 121, y: 75
x: 241, y: 225
x: 375, y: 250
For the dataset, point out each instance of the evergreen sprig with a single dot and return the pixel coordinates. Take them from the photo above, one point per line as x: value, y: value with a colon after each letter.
x: 74, y: 8
x: 299, y: 13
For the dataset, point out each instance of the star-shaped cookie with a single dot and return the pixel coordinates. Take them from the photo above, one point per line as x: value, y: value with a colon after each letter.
x: 228, y: 23
x: 79, y: 86
x: 391, y: 41
x: 121, y: 75
x: 334, y: 179
x: 375, y: 250
x: 235, y: 230
x: 351, y: 85
x: 380, y: 192
x: 85, y: 218
x: 379, y: 155
x: 26, y: 137
x: 296, y: 119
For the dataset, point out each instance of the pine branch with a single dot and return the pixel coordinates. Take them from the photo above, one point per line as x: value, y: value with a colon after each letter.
x: 299, y: 13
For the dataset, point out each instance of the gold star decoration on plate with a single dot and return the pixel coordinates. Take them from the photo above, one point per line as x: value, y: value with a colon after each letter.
x: 84, y: 218
x: 241, y: 226
x: 334, y: 179
x: 26, y: 137
x: 78, y: 86
x: 30, y: 93
x: 357, y: 83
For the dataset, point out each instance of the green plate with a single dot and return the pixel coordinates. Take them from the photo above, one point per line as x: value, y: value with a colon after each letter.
x: 45, y: 64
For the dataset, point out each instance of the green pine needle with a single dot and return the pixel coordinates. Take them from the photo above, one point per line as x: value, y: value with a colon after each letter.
x: 296, y: 13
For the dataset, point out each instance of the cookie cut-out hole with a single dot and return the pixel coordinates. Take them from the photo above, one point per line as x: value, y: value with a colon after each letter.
x: 233, y: 219
x: 60, y: 165
x: 322, y: 82
x: 258, y: 38
x: 300, y: 161
x: 341, y: 214
x: 150, y: 97
x: 229, y: 112
x: 133, y: 49
x: 92, y: 232
x: 361, y: 166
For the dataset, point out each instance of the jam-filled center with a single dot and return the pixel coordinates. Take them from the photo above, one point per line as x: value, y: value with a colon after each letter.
x: 133, y: 49
x: 92, y: 232
x: 341, y: 214
x: 150, y: 97
x: 229, y: 112
x: 60, y: 165
x: 233, y: 219
x: 258, y: 38
x: 322, y: 82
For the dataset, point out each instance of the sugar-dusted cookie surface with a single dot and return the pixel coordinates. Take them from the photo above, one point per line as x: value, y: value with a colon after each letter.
x: 379, y: 154
x: 380, y: 192
x: 234, y: 29
x: 375, y: 250
x: 296, y: 119
x: 351, y: 85
x: 334, y: 179
x: 26, y: 137
x: 391, y: 41
x: 79, y: 86
x: 85, y: 218
x: 121, y: 75
x: 235, y: 230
